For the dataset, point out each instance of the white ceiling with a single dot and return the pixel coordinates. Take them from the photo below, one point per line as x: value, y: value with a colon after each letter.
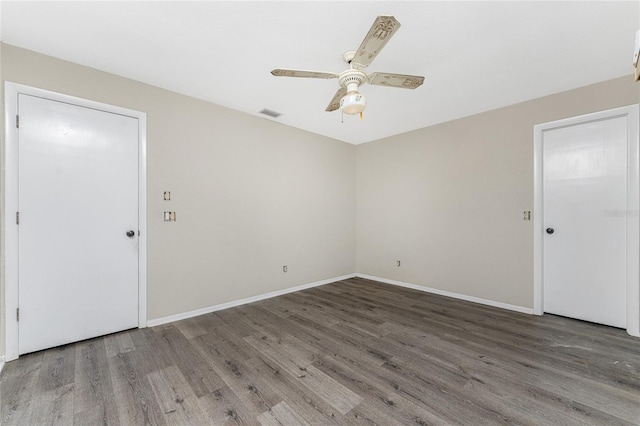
x: 476, y: 56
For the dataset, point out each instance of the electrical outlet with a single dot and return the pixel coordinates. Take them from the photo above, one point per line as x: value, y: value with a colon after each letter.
x: 167, y: 195
x: 527, y: 215
x: 169, y: 216
x: 285, y: 268
x: 398, y: 263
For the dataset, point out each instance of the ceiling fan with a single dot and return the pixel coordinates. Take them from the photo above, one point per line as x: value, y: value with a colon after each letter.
x: 347, y: 98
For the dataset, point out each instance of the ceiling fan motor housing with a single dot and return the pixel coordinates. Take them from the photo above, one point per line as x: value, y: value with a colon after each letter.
x: 352, y: 79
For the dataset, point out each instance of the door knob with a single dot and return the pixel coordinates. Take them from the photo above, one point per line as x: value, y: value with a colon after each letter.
x: 550, y: 231
x: 131, y: 233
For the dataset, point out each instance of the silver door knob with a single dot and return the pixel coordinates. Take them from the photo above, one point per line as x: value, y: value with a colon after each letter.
x: 131, y: 233
x: 550, y: 231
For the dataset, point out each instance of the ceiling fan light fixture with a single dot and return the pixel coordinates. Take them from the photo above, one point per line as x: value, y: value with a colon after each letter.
x: 347, y: 98
x: 353, y: 103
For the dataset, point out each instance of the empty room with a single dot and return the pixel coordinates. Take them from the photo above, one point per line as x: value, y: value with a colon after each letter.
x: 320, y: 212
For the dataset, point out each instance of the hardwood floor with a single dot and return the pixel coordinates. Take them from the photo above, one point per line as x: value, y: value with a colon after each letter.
x: 352, y: 352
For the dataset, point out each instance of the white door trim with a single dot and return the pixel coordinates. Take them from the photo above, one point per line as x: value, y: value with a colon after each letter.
x: 11, y: 202
x: 632, y: 113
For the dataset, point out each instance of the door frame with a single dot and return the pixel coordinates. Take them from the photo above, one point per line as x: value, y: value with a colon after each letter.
x: 10, y: 207
x: 632, y: 113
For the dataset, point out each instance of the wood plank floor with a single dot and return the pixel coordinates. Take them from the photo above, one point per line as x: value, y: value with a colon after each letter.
x: 352, y: 352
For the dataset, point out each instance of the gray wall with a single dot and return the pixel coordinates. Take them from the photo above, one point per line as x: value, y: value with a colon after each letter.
x: 250, y: 194
x: 448, y: 200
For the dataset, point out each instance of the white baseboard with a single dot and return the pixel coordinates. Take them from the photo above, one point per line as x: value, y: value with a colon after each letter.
x: 214, y: 308
x: 451, y: 294
x: 1, y: 363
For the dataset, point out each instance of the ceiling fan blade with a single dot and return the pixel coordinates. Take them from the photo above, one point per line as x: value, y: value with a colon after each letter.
x: 383, y: 28
x: 395, y: 80
x: 335, y: 102
x: 303, y: 73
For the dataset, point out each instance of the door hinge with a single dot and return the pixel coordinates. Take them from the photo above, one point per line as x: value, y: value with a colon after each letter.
x: 17, y: 121
x: 17, y: 218
x: 17, y: 314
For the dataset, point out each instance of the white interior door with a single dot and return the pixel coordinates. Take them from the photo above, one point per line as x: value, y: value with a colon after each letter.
x: 585, y: 219
x: 77, y: 198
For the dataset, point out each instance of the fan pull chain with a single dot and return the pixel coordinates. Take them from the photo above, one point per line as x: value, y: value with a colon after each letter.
x: 342, y: 116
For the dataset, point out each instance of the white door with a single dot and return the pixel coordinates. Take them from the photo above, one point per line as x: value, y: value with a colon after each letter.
x: 77, y: 198
x: 585, y: 220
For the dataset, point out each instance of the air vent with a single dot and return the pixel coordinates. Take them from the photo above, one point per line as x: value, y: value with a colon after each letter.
x: 270, y: 113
